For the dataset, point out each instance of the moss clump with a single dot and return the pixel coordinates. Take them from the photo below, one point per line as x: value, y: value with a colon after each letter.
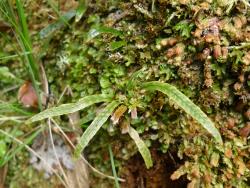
x: 199, y: 46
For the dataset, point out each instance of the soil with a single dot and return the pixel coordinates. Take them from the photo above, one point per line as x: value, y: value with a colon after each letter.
x: 137, y: 176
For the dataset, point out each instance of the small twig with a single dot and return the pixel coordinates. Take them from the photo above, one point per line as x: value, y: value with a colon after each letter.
x: 15, y: 55
x: 45, y: 84
x: 172, y: 158
x: 16, y: 119
x: 53, y: 146
x: 10, y: 89
x: 53, y: 17
x: 63, y: 93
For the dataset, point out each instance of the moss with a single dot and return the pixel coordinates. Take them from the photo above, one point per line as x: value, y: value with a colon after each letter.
x: 187, y: 44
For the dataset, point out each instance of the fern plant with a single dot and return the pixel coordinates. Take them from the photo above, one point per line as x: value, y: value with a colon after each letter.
x: 172, y: 92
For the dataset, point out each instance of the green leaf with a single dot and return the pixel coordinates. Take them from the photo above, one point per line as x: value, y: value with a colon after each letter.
x: 7, y: 57
x: 113, y: 167
x: 81, y: 9
x: 6, y: 76
x: 133, y: 80
x: 143, y: 149
x: 57, y: 11
x: 69, y: 108
x: 94, y: 127
x: 45, y: 32
x: 104, y: 82
x: 22, y: 20
x: 184, y: 27
x: 17, y: 119
x: 117, y: 44
x: 186, y: 104
x: 87, y: 118
x: 3, y: 149
x: 94, y: 32
x: 12, y: 107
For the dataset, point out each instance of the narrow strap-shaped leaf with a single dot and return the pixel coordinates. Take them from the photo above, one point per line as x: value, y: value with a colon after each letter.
x: 93, y: 128
x: 113, y: 167
x: 117, y: 44
x: 81, y: 9
x: 26, y: 45
x: 69, y: 108
x: 94, y: 32
x: 45, y: 32
x: 143, y: 149
x: 186, y: 104
x: 12, y: 107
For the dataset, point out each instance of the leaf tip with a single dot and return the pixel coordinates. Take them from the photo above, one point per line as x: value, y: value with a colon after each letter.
x: 149, y: 164
x: 219, y: 139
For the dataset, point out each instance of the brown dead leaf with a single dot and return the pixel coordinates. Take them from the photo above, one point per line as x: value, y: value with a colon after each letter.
x: 27, y: 95
x: 124, y: 126
x: 118, y: 114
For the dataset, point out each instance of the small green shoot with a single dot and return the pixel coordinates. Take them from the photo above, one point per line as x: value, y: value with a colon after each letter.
x: 184, y: 28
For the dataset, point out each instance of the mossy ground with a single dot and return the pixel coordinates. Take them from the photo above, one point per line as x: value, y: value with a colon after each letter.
x: 201, y: 47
